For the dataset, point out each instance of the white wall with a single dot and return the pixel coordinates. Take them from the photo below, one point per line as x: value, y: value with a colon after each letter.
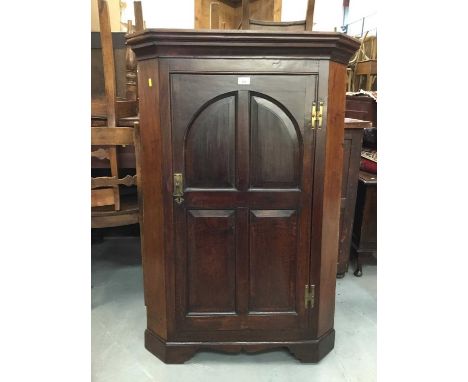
x: 359, y: 9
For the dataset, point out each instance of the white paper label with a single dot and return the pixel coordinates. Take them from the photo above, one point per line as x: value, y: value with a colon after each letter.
x: 243, y: 80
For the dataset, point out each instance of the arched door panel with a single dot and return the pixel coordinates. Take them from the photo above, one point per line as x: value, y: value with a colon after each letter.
x: 275, y: 146
x: 210, y: 146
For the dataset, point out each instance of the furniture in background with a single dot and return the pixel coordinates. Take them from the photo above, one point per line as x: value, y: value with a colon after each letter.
x: 362, y: 68
x: 108, y: 207
x: 241, y: 164
x: 365, y: 220
x: 248, y: 14
x: 367, y: 70
x: 364, y: 106
x: 227, y: 14
x: 130, y: 61
x: 108, y: 108
x: 125, y: 155
x: 351, y: 160
x: 110, y: 88
x: 110, y: 120
x: 361, y: 107
x: 247, y: 22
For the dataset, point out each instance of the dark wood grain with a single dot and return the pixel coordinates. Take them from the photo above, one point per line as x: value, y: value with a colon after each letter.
x: 351, y: 161
x: 362, y: 107
x: 181, y: 42
x: 273, y: 248
x: 211, y: 262
x: 223, y: 119
x: 275, y: 146
x: 307, y: 351
x: 331, y: 195
x: 210, y: 134
x: 226, y: 268
x: 365, y: 220
x: 153, y: 255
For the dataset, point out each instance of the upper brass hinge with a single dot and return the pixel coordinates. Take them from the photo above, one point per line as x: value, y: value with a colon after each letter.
x: 317, y: 115
x: 309, y: 296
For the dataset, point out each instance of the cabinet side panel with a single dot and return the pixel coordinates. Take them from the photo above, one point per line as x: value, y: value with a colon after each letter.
x: 152, y: 216
x: 331, y: 195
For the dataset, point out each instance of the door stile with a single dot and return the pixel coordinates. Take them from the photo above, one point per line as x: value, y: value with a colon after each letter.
x: 242, y: 264
x: 243, y: 142
x: 242, y: 185
x: 321, y: 94
x: 305, y: 207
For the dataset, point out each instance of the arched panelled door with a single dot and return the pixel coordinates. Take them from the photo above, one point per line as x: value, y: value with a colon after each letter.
x: 244, y: 151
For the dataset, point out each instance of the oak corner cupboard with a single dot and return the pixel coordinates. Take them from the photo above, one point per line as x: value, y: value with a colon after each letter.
x: 241, y: 162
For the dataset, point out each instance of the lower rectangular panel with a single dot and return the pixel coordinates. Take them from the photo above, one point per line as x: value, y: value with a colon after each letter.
x: 211, y: 280
x: 273, y: 253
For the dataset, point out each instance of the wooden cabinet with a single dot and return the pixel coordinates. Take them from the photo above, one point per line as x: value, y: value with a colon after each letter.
x: 361, y: 107
x: 351, y: 161
x: 241, y: 157
x: 365, y: 220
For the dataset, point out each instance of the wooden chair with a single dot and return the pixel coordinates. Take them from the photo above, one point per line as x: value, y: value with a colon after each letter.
x: 363, y: 65
x: 368, y: 70
x: 108, y: 207
x: 227, y: 14
x: 284, y: 26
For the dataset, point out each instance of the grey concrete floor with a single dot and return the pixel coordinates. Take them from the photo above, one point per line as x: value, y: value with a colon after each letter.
x: 118, y: 322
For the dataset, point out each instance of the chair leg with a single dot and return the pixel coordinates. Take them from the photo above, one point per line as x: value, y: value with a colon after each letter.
x: 358, y: 270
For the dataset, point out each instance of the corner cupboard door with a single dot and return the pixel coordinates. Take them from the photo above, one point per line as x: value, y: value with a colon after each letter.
x: 242, y: 145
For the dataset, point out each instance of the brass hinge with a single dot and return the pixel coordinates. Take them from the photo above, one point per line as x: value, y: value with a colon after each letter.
x: 317, y: 115
x: 309, y: 296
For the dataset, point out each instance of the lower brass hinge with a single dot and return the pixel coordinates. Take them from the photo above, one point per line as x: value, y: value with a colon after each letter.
x: 309, y: 296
